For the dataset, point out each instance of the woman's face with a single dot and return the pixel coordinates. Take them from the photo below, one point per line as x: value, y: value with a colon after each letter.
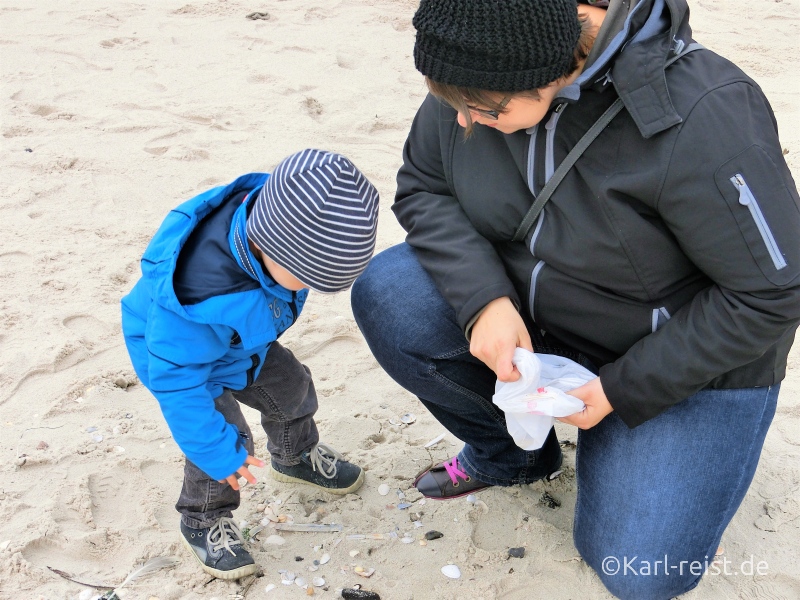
x: 520, y: 113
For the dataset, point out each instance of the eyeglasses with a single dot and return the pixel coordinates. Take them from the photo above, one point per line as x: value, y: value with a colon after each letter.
x: 490, y: 114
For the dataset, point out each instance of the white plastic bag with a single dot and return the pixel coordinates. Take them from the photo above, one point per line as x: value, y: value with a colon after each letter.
x: 534, y: 401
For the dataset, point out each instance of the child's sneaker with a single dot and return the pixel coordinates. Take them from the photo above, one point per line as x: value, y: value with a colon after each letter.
x: 219, y: 549
x: 323, y: 467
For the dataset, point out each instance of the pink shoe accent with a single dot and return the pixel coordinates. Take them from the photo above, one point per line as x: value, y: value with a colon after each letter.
x: 454, y: 471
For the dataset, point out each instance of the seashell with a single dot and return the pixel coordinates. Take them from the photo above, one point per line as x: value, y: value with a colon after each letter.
x: 324, y: 558
x: 301, y: 582
x: 318, y: 581
x: 313, y: 567
x: 4, y: 545
x: 97, y: 437
x: 421, y: 501
x: 383, y: 489
x: 364, y: 572
x: 275, y: 540
x: 270, y: 587
x: 116, y: 430
x: 91, y: 429
x: 287, y: 578
x: 423, y: 543
x: 268, y: 514
x: 417, y: 524
x: 354, y: 553
x: 451, y: 571
x: 404, y: 505
x: 394, y: 422
x: 435, y: 440
x: 400, y: 495
x: 408, y: 418
x: 119, y: 449
x: 516, y: 552
x: 407, y: 539
x: 471, y: 498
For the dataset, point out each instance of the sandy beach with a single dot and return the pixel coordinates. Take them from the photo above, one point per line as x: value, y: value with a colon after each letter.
x: 111, y: 114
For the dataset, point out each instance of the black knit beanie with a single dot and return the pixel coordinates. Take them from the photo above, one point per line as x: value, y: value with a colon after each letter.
x: 496, y: 45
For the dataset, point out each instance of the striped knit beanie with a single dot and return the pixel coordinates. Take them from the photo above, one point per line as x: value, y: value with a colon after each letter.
x: 317, y: 216
x: 496, y: 45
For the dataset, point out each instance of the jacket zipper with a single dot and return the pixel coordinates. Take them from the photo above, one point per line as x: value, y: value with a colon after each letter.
x: 532, y: 295
x: 746, y: 198
x: 549, y: 169
x: 532, y: 160
x: 293, y: 306
x: 549, y: 158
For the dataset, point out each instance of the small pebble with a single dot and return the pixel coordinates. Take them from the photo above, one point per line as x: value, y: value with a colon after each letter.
x: 353, y: 554
x: 433, y: 535
x: 298, y: 559
x: 357, y: 594
x: 318, y: 581
x: 128, y: 415
x: 451, y: 571
x: 471, y: 498
x: 383, y: 489
x: 97, y: 437
x: 516, y: 552
x: 42, y: 445
x: 91, y: 429
x: 403, y: 505
x: 423, y: 543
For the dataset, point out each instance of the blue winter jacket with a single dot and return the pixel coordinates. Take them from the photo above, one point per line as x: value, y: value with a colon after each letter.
x: 202, y: 318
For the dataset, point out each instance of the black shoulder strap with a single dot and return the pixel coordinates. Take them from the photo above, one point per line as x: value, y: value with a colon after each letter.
x: 575, y: 153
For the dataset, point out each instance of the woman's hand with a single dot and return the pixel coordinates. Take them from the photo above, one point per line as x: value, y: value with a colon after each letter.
x: 499, y: 331
x: 597, y: 405
x: 233, y: 479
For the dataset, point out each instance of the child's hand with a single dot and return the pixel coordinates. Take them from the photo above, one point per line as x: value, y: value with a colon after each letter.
x: 233, y: 479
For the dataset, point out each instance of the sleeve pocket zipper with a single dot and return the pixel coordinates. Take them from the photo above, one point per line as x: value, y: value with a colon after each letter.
x: 746, y: 198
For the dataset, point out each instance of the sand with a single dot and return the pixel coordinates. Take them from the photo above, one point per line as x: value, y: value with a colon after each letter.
x: 113, y: 113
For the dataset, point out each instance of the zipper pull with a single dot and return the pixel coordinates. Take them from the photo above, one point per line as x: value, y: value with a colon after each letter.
x: 738, y: 181
x: 551, y: 122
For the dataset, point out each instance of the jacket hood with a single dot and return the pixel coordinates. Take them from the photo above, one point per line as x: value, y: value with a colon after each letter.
x: 631, y: 50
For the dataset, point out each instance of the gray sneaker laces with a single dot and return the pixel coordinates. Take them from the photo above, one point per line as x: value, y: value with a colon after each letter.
x: 323, y: 459
x: 224, y: 534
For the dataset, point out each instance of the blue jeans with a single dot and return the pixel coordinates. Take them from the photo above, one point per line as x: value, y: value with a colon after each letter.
x: 664, y: 491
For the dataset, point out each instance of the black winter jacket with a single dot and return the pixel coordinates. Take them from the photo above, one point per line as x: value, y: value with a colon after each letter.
x: 669, y: 255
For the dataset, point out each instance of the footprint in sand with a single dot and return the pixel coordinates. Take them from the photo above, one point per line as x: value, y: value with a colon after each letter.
x: 86, y: 326
x: 313, y: 107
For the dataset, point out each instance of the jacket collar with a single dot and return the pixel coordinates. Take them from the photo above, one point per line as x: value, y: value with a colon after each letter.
x: 237, y: 238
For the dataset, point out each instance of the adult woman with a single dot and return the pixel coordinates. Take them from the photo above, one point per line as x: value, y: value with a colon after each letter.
x: 667, y: 259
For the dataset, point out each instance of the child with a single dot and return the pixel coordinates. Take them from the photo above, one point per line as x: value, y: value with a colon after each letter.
x: 225, y: 275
